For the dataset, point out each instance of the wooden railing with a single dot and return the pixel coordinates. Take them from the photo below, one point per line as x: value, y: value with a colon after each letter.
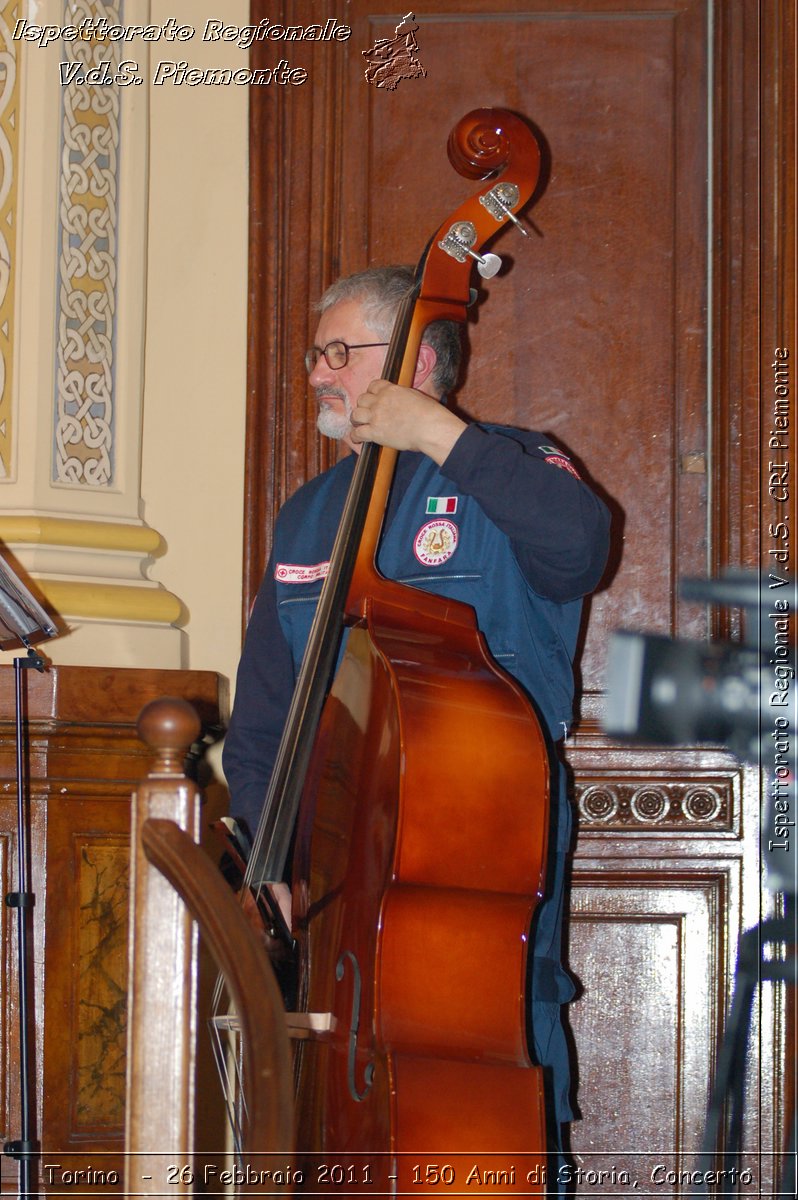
x: 175, y: 890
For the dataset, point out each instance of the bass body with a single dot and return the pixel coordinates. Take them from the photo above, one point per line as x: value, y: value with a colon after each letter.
x: 419, y: 859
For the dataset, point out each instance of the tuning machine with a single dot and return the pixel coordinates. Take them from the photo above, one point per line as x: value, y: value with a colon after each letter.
x: 458, y: 242
x: 499, y: 201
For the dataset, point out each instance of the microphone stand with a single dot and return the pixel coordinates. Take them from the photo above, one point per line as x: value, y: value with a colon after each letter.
x: 24, y: 1148
x: 21, y: 618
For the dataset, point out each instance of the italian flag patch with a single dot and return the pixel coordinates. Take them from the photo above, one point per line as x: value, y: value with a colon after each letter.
x: 441, y: 504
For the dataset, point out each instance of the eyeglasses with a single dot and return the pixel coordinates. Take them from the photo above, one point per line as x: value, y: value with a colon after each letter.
x: 336, y: 354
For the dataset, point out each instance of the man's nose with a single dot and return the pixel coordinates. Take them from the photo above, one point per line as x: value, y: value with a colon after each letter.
x: 321, y: 373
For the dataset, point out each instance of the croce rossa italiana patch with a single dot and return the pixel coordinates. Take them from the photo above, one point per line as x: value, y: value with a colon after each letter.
x: 435, y: 542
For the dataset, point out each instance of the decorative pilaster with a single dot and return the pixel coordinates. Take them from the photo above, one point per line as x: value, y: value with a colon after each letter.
x: 70, y: 500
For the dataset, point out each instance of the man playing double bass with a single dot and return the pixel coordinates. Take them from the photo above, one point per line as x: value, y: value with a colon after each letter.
x: 495, y: 517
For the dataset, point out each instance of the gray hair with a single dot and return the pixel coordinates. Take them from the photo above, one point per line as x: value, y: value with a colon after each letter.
x: 380, y: 291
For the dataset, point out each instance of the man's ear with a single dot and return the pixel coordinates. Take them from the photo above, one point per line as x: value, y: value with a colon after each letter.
x: 425, y: 365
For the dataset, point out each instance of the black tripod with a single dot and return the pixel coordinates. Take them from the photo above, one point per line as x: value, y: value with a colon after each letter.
x: 752, y: 969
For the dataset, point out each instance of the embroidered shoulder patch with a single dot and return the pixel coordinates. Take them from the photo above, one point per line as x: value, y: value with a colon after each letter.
x: 558, y: 459
x: 296, y: 573
x: 435, y: 542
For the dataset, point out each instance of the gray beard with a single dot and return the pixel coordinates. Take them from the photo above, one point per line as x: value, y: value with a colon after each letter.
x: 333, y: 424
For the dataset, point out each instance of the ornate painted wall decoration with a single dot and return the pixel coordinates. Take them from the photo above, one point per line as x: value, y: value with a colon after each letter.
x: 83, y: 449
x: 9, y: 143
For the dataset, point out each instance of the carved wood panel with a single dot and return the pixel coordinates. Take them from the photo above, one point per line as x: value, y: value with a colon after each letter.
x: 86, y: 946
x: 624, y: 327
x: 101, y: 866
x: 84, y: 759
x: 649, y: 944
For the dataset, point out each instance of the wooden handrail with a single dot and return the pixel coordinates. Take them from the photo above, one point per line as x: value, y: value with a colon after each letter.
x: 249, y: 977
x: 173, y: 886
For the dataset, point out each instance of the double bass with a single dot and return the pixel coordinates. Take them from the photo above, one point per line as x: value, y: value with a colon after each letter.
x: 412, y: 780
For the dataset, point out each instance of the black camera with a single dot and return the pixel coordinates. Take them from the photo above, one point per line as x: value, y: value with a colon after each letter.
x: 742, y: 696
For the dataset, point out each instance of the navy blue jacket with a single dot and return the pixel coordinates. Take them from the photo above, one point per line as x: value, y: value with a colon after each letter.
x: 522, y: 541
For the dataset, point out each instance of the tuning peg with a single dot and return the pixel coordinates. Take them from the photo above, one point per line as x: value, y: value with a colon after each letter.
x: 517, y: 224
x: 488, y: 265
x: 458, y: 243
x: 500, y: 200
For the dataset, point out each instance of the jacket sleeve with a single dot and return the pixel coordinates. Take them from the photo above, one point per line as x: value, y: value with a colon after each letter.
x: 264, y: 687
x: 558, y: 527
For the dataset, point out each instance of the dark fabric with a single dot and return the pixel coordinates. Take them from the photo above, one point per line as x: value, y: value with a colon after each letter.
x: 549, y: 985
x: 461, y: 554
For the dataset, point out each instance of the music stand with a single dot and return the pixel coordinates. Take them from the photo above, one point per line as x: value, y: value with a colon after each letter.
x: 22, y: 620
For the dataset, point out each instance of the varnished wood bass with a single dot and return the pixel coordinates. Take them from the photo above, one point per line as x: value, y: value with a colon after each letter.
x: 417, y: 784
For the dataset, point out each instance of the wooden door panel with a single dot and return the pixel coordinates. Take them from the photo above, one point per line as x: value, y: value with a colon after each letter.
x: 582, y: 337
x: 87, y: 940
x: 648, y: 944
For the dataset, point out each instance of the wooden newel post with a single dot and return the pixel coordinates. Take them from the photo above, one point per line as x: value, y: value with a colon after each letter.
x: 162, y: 964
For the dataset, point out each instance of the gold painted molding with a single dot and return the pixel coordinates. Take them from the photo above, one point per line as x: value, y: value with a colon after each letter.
x: 68, y: 531
x: 147, y: 602
x: 113, y: 602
